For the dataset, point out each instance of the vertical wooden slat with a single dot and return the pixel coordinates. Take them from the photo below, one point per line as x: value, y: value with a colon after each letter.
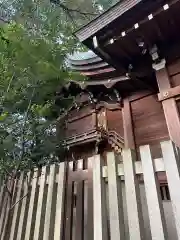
x: 40, y: 203
x: 46, y: 235
x: 169, y: 105
x: 6, y: 207
x: 23, y: 207
x: 100, y: 221
x: 134, y: 211
x: 60, y: 203
x: 90, y: 230
x: 1, y: 195
x: 115, y: 199
x: 79, y: 206
x: 31, y: 205
x: 127, y: 125
x: 172, y: 165
x: 3, y: 212
x: 154, y: 203
x: 69, y: 204
x: 14, y: 220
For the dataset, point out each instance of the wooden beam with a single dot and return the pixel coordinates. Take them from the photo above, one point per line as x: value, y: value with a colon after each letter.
x: 127, y: 125
x: 134, y: 210
x: 139, y: 95
x: 170, y: 93
x: 116, y: 214
x: 99, y: 211
x: 152, y: 189
x: 171, y: 161
x: 169, y: 105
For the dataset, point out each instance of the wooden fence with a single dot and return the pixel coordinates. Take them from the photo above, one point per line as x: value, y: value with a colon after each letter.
x: 96, y: 199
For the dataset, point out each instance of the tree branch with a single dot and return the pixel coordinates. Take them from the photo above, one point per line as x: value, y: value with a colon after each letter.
x: 65, y: 8
x: 19, y: 200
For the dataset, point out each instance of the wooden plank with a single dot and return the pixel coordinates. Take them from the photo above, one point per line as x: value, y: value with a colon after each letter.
x: 100, y: 221
x: 134, y: 211
x: 58, y: 228
x: 174, y: 68
x: 79, y: 227
x: 172, y: 120
x: 69, y: 204
x: 40, y: 202
x: 105, y: 19
x: 115, y: 199
x: 47, y: 222
x: 3, y: 212
x: 169, y: 106
x: 16, y: 208
x: 31, y: 205
x: 1, y: 197
x: 171, y: 161
x: 23, y: 206
x: 154, y: 203
x: 158, y: 167
x: 139, y: 95
x: 127, y: 125
x: 90, y: 230
x: 170, y: 93
x: 79, y: 175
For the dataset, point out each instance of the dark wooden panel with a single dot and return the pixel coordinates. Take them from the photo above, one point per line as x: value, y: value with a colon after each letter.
x: 79, y: 113
x: 82, y: 125
x: 115, y: 121
x: 174, y: 73
x: 69, y: 206
x: 174, y: 68
x: 175, y: 80
x: 149, y: 121
x: 128, y: 125
x: 178, y: 106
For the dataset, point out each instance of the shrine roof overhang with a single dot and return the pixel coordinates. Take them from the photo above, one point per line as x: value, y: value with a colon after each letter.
x: 74, y: 88
x: 125, y: 34
x: 90, y: 65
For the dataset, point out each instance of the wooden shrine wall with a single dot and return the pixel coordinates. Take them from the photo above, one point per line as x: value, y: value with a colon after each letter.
x: 174, y: 73
x: 79, y: 121
x: 149, y: 123
x: 115, y: 121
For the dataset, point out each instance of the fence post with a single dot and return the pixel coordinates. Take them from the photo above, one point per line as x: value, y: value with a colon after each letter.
x: 40, y: 203
x: 31, y: 205
x: 134, y: 211
x: 60, y: 202
x: 14, y: 220
x: 171, y: 161
x: 90, y: 229
x: 100, y: 222
x: 23, y: 206
x: 115, y: 199
x: 79, y: 205
x: 47, y: 222
x: 155, y: 208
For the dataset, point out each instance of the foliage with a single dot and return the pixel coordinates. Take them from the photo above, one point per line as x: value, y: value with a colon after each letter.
x: 35, y: 38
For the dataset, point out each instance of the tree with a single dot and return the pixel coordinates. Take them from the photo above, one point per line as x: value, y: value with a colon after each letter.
x: 35, y: 39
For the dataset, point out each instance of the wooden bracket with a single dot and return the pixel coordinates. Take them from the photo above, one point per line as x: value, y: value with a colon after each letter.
x: 170, y: 93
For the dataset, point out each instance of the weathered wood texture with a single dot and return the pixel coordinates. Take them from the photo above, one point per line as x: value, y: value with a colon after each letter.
x: 169, y: 105
x: 89, y: 200
x: 148, y: 121
x: 79, y: 126
x: 129, y: 138
x: 115, y: 121
x: 134, y: 210
x: 141, y: 121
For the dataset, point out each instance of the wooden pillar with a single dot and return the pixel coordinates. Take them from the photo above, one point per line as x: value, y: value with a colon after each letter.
x: 169, y: 105
x: 127, y: 125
